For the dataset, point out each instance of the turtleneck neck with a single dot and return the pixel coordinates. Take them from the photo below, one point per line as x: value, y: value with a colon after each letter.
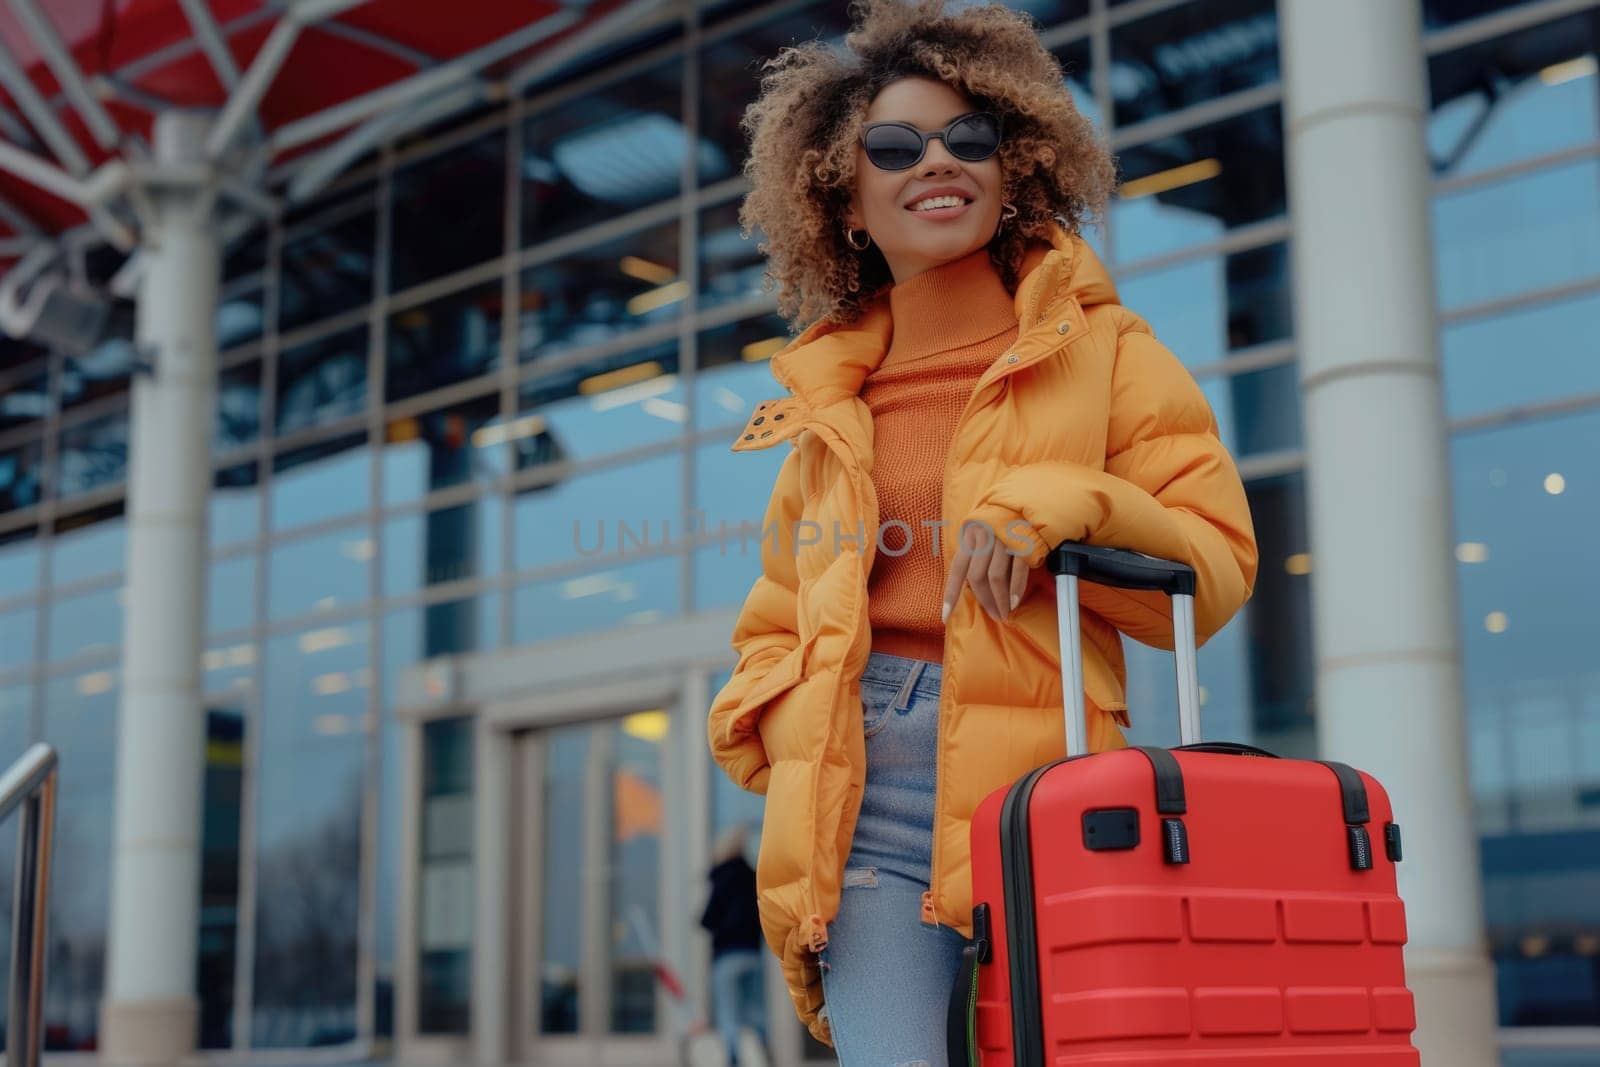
x: 949, y: 306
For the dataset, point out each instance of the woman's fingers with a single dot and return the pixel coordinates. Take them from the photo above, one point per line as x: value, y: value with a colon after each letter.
x: 1019, y: 581
x: 954, y: 580
x: 998, y: 579
x: 978, y: 578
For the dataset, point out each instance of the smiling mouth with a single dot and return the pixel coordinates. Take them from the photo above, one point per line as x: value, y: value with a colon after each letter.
x: 963, y: 202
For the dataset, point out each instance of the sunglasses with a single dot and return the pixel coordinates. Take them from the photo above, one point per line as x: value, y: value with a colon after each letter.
x: 898, y: 145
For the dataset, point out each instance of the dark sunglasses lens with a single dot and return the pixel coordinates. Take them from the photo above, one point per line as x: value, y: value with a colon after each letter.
x: 973, y: 138
x: 892, y: 147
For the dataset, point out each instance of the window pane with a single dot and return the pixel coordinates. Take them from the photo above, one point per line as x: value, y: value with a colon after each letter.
x: 733, y: 66
x: 24, y: 399
x: 601, y: 293
x: 1438, y: 13
x: 605, y: 153
x: 17, y: 638
x: 323, y: 381
x: 1077, y: 65
x: 104, y: 370
x: 238, y: 408
x: 1526, y: 356
x: 81, y: 722
x: 1256, y: 674
x: 449, y: 212
x: 1191, y: 53
x: 1514, y: 98
x: 438, y: 449
x: 637, y: 813
x: 219, y: 873
x: 231, y: 594
x: 323, y: 481
x: 86, y: 624
x: 601, y: 513
x: 1204, y: 308
x: 448, y: 545
x: 566, y: 764
x: 16, y: 713
x: 235, y: 505
x: 628, y: 594
x: 450, y: 340
x: 730, y: 266
x: 1514, y: 236
x: 88, y: 545
x: 320, y: 573
x: 21, y: 476
x: 19, y: 562
x: 607, y: 405
x: 732, y: 488
x: 241, y: 315
x: 229, y: 669
x: 93, y: 454
x: 312, y: 740
x: 327, y: 263
x: 445, y: 958
x: 733, y: 374
x: 1525, y: 497
x: 1193, y: 187
x: 1258, y: 411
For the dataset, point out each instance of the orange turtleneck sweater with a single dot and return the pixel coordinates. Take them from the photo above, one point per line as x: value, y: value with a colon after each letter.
x: 950, y: 323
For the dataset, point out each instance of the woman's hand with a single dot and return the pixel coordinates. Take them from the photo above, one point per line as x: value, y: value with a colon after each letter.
x: 982, y: 560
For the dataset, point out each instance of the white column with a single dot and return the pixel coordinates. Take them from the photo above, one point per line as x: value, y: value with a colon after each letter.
x: 1389, y: 697
x: 150, y: 1011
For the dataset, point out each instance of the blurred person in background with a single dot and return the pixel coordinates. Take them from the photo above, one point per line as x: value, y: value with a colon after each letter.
x: 968, y: 369
x: 735, y: 926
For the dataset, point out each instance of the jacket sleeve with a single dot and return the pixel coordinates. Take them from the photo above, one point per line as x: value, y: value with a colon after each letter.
x: 1169, y: 489
x: 765, y: 631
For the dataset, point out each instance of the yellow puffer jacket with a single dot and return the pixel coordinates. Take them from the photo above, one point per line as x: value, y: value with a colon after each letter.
x: 1086, y: 429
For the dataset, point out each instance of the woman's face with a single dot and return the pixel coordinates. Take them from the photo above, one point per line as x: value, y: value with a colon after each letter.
x: 882, y: 201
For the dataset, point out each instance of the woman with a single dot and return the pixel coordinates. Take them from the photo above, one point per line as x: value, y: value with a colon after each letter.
x: 967, y: 364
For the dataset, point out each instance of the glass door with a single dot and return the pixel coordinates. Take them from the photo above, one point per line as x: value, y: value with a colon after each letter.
x: 590, y: 854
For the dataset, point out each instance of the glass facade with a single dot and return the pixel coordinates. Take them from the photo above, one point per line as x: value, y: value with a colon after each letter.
x: 468, y: 400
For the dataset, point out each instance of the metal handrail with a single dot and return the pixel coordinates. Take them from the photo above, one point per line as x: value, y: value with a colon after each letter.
x: 29, y: 784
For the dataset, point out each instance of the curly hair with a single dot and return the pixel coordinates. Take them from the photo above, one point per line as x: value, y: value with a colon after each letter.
x: 804, y: 125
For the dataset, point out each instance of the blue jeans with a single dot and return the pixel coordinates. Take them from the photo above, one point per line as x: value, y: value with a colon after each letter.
x: 886, y: 976
x: 736, y: 997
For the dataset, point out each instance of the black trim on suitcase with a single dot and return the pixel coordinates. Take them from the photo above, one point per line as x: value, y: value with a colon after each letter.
x: 1357, y: 813
x: 1016, y: 869
x: 1170, y: 798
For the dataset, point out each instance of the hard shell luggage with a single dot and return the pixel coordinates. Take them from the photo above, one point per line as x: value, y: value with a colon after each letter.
x: 1209, y: 904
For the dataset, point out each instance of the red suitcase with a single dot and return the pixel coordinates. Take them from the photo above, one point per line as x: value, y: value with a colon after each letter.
x: 1202, y: 905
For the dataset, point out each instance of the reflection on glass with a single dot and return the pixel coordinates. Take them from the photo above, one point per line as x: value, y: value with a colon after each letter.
x: 231, y: 594
x: 732, y: 64
x: 448, y: 341
x: 16, y: 712
x: 105, y: 369
x: 322, y: 381
x: 312, y: 738
x: 86, y: 624
x: 1514, y: 98
x: 731, y: 488
x: 219, y: 873
x: 1438, y: 13
x: 24, y: 399
x: 1528, y: 233
x: 240, y: 315
x: 601, y: 292
x: 17, y: 637
x: 19, y: 562
x: 637, y: 819
x: 1077, y: 64
x: 1527, y: 499
x: 1193, y: 187
x: 327, y: 264
x: 319, y: 574
x: 235, y: 505
x: 1189, y: 54
x: 448, y: 212
x: 80, y: 721
x: 1205, y: 308
x: 322, y: 481
x: 1258, y: 411
x: 93, y: 454
x: 630, y: 594
x: 229, y: 668
x: 566, y: 764
x: 444, y: 964
x: 1549, y: 362
x: 618, y: 510
x: 88, y: 544
x: 438, y: 449
x: 21, y: 476
x: 730, y: 266
x: 733, y: 374
x: 447, y: 545
x: 238, y: 408
x: 605, y: 153
x: 606, y: 405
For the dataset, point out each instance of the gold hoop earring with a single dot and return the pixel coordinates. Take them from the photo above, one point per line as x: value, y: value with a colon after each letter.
x: 849, y: 239
x: 1008, y: 211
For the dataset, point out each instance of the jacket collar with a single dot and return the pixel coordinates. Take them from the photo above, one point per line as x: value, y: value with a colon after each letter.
x: 829, y: 361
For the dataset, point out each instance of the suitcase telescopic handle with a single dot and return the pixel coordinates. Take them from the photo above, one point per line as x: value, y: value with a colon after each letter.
x: 1120, y: 568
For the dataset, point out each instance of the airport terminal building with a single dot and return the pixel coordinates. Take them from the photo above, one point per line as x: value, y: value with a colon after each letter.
x: 456, y: 797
